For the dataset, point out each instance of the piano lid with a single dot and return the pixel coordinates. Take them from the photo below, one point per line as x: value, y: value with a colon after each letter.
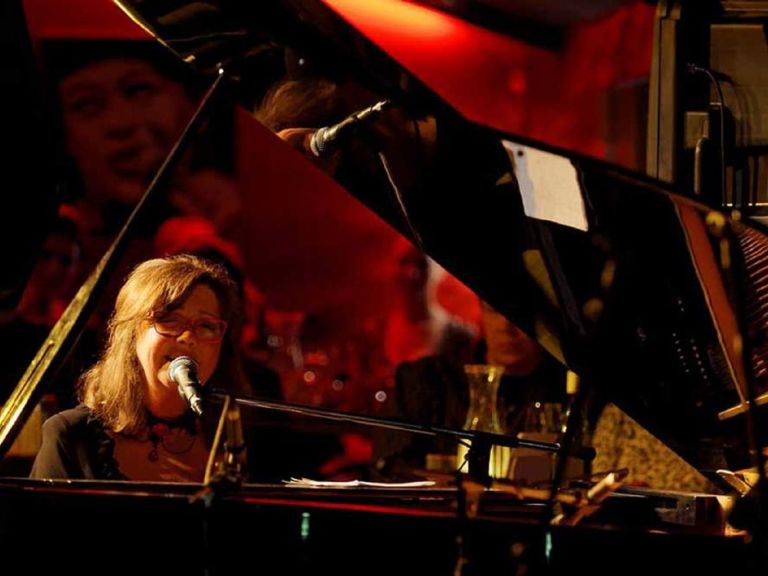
x: 652, y: 296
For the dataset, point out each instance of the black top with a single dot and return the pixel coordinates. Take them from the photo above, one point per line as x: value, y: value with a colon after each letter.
x: 76, y: 446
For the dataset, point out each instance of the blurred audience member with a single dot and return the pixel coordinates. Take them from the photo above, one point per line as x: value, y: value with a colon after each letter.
x: 53, y: 281
x: 418, y: 326
x: 50, y: 288
x: 433, y: 391
x: 122, y: 112
x: 123, y: 106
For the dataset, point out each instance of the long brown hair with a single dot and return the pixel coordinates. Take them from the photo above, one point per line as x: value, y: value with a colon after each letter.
x: 114, y: 388
x: 300, y: 103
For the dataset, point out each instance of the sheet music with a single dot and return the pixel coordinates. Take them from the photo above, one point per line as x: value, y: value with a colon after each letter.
x: 549, y: 185
x: 309, y: 483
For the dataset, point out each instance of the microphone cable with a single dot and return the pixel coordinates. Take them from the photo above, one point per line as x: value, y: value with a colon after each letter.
x: 694, y: 69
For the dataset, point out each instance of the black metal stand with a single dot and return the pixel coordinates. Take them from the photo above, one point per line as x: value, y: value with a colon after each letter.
x: 229, y: 476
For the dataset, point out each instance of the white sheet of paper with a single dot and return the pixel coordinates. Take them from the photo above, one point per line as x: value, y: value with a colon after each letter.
x: 549, y: 186
x: 308, y: 483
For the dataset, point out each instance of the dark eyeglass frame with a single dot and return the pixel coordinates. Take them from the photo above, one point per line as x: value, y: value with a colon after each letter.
x: 159, y: 323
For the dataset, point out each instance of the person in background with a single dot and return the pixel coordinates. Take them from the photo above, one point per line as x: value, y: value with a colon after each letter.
x: 132, y: 422
x: 123, y: 106
x: 531, y: 376
x: 52, y: 283
x: 121, y: 113
x: 24, y: 330
x: 418, y: 326
x: 433, y: 391
x: 50, y: 287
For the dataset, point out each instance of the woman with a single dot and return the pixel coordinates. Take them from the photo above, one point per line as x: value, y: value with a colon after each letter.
x: 123, y: 105
x: 133, y: 423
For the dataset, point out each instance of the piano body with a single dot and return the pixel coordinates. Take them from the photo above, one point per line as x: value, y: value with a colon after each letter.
x: 649, y: 291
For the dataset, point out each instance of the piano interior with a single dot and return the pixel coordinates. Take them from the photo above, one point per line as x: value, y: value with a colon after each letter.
x: 588, y: 179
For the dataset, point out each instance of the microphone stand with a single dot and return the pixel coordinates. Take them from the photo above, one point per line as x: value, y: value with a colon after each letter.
x: 229, y: 475
x: 481, y: 442
x: 231, y: 470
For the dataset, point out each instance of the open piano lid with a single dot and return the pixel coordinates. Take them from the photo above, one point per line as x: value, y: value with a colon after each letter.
x: 647, y: 294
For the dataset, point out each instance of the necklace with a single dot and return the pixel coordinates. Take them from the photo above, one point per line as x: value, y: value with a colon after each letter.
x: 176, y: 436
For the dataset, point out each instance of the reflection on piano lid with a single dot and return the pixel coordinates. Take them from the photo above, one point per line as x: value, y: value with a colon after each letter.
x: 655, y: 302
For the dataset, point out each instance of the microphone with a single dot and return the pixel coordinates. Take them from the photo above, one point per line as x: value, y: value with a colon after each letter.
x: 324, y: 138
x: 183, y: 372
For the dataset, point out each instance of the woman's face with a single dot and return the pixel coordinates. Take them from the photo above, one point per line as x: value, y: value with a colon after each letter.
x: 197, y: 315
x: 121, y: 117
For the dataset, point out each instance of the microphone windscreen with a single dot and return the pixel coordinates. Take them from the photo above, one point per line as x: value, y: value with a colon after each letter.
x: 180, y: 366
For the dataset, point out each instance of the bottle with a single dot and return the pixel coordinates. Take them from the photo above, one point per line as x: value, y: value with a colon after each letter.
x: 483, y: 414
x: 581, y: 434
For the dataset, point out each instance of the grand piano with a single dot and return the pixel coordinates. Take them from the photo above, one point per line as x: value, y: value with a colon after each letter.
x: 647, y: 285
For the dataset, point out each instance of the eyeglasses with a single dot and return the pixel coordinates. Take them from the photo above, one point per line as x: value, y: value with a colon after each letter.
x: 204, y: 329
